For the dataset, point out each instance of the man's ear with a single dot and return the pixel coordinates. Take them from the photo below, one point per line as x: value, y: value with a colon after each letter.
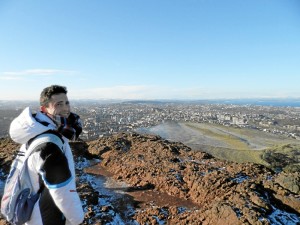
x: 43, y: 109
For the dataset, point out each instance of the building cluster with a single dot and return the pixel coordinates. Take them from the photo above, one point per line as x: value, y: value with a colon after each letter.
x: 106, y: 119
x: 103, y: 119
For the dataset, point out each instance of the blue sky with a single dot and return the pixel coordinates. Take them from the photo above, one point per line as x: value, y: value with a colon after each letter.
x: 150, y: 49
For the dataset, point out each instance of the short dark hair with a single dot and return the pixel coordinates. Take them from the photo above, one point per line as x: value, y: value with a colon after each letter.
x: 47, y: 93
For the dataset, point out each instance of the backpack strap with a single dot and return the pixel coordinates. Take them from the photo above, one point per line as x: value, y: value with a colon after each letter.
x: 32, y: 146
x: 46, y: 132
x: 48, y: 136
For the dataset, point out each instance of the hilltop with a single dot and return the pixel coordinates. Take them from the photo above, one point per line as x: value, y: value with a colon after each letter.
x: 163, y: 182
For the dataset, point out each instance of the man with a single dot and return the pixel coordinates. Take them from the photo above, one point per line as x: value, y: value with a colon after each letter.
x: 50, y: 167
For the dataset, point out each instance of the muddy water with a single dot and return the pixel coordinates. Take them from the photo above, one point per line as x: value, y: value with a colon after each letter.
x: 140, y: 196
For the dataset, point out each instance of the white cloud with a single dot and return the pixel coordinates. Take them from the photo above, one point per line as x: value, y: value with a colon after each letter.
x: 34, y: 72
x: 9, y: 78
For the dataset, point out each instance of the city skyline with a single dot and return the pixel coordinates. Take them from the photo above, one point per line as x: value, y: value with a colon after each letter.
x: 185, y: 50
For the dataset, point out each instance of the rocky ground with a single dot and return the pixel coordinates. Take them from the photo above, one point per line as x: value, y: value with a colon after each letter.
x: 143, y: 179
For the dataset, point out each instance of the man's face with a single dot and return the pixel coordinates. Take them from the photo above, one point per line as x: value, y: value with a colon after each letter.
x: 58, y: 106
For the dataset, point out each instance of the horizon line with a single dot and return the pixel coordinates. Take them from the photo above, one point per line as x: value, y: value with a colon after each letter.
x: 162, y: 99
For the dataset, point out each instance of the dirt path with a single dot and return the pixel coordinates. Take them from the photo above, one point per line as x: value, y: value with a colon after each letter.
x: 140, y: 196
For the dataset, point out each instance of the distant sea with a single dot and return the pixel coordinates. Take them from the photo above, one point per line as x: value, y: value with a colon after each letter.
x: 262, y: 102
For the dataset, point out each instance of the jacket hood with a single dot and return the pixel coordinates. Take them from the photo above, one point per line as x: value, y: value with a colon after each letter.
x: 25, y: 126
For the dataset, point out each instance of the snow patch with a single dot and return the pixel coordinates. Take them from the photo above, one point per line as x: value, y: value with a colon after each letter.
x: 279, y: 217
x: 240, y: 177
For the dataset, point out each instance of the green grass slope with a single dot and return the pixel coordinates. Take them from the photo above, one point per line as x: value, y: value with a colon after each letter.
x: 249, y: 145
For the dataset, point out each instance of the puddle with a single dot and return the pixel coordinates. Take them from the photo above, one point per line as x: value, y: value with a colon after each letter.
x: 111, y: 194
x: 119, y: 206
x: 161, y: 199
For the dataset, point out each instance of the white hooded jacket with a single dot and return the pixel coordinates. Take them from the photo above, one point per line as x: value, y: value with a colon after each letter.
x: 59, y: 197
